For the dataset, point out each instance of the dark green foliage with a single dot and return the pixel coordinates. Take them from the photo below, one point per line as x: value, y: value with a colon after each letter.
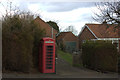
x: 99, y: 55
x: 54, y: 25
x: 119, y: 64
x: 62, y: 47
x: 38, y: 34
x: 19, y: 39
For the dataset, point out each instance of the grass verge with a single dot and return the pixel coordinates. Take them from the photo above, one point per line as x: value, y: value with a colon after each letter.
x: 66, y: 56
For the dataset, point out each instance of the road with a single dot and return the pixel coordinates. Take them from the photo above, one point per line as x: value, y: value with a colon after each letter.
x: 63, y: 70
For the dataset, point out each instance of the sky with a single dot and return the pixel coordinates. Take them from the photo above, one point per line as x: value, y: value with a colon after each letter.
x: 65, y: 13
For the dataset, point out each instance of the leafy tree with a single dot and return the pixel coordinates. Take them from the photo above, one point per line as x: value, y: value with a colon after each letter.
x: 54, y: 25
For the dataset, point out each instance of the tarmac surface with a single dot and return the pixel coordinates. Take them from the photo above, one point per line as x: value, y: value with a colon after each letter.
x: 64, y: 70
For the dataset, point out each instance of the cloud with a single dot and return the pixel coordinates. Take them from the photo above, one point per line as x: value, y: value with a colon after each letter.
x: 63, y: 6
x: 23, y: 5
x: 77, y: 17
x: 64, y: 13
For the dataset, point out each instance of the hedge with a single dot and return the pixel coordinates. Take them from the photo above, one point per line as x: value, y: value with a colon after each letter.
x: 99, y: 55
x: 19, y: 38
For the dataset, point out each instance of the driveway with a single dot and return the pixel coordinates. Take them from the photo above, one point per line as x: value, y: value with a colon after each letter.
x: 63, y: 70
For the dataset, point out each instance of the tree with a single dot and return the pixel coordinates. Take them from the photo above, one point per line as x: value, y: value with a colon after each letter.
x: 109, y: 12
x: 71, y: 29
x: 54, y: 25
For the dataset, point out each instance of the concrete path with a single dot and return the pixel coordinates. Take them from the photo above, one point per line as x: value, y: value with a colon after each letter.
x: 64, y: 70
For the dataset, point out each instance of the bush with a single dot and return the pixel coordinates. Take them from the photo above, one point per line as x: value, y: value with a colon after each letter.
x: 119, y: 64
x: 19, y: 38
x: 99, y: 55
x: 38, y: 34
x: 62, y: 47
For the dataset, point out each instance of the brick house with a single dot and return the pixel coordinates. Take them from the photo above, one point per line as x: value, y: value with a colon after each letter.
x: 68, y: 40
x: 99, y: 32
x: 50, y: 31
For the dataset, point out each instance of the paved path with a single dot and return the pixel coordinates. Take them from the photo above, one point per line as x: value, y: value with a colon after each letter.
x: 64, y: 70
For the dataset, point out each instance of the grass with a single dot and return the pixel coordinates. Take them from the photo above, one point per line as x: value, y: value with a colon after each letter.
x: 66, y: 56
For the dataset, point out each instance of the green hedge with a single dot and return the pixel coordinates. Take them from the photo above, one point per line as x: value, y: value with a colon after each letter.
x: 99, y: 55
x: 20, y: 39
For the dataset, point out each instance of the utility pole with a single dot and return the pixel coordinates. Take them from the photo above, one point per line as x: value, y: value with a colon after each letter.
x: 52, y: 33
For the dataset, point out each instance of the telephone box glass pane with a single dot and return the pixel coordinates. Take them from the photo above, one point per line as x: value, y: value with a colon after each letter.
x: 49, y: 57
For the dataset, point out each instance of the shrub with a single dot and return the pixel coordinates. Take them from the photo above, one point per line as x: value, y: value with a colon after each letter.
x: 38, y: 34
x: 20, y: 36
x: 62, y: 47
x: 119, y: 64
x: 99, y: 55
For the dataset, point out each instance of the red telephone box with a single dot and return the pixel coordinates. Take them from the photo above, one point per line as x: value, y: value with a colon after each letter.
x: 47, y: 55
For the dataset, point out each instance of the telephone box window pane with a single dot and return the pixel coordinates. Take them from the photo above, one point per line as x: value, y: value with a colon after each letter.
x: 49, y: 57
x: 49, y: 67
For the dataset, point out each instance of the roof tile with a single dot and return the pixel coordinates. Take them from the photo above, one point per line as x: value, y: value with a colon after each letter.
x: 104, y: 30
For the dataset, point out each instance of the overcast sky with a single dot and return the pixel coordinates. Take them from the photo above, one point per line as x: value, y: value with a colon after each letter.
x: 65, y: 14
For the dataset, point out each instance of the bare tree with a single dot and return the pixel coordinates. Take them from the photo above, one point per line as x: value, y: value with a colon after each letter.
x: 71, y: 29
x: 109, y: 12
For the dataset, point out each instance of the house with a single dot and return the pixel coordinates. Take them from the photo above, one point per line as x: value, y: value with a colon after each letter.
x: 99, y: 32
x: 68, y: 41
x: 50, y: 31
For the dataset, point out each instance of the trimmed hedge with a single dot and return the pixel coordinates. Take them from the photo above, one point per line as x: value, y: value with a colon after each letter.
x: 99, y: 55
